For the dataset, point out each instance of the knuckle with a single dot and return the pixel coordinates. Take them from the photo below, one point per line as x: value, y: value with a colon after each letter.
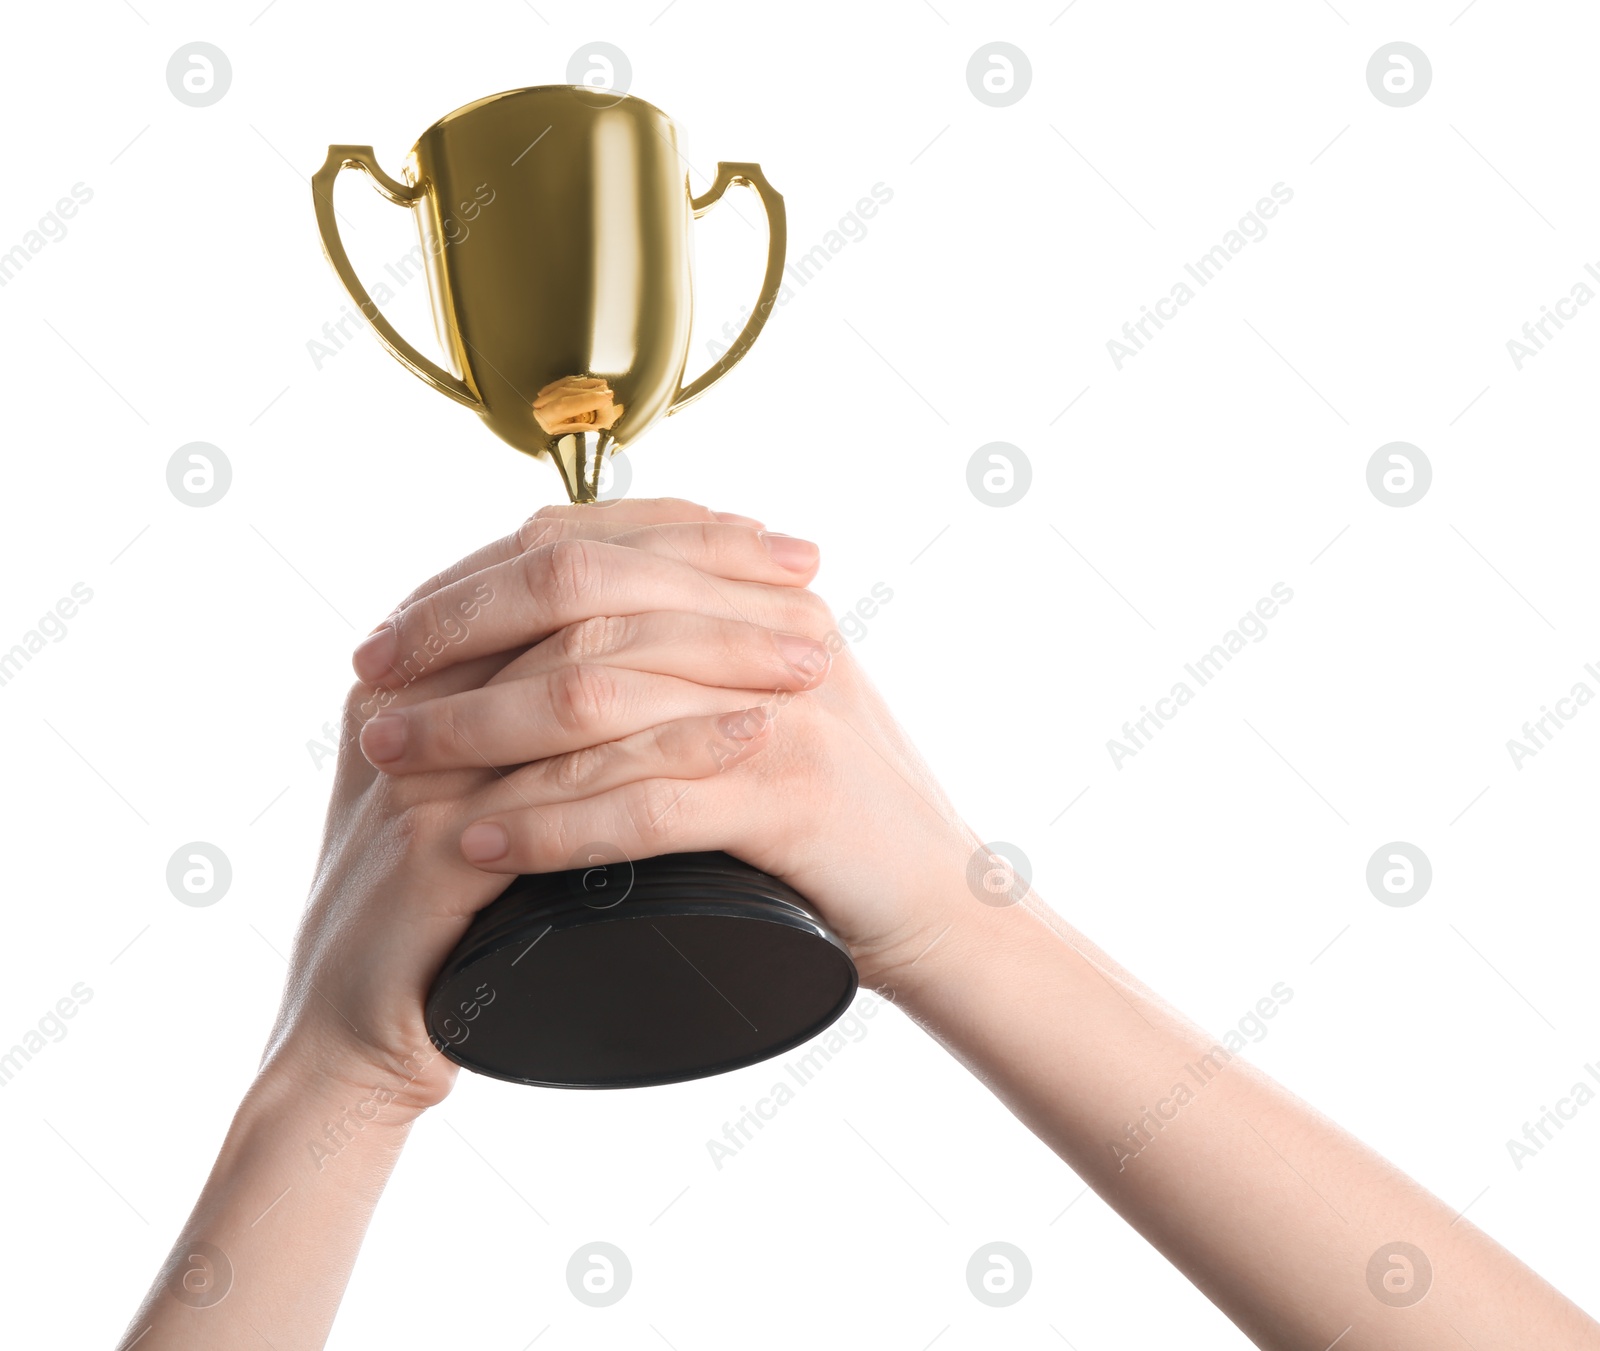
x: 813, y: 616
x: 660, y: 808
x: 592, y: 638
x: 684, y: 510
x: 661, y: 745
x: 581, y: 697
x: 566, y: 571
x: 554, y: 842
x: 742, y: 643
x: 705, y: 538
x: 570, y: 774
x: 540, y: 528
x: 418, y: 592
x: 435, y: 733
x: 416, y: 629
x: 416, y: 827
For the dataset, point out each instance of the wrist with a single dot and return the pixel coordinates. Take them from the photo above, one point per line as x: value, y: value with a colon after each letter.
x: 349, y: 1089
x: 961, y: 930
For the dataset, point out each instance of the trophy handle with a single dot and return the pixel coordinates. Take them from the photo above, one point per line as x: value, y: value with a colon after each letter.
x: 777, y: 242
x: 361, y: 157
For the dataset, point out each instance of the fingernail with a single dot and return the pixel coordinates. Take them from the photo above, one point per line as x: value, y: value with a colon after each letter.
x: 744, y: 725
x: 733, y: 518
x: 383, y: 739
x: 484, y: 842
x: 374, y: 656
x: 798, y: 555
x: 803, y: 654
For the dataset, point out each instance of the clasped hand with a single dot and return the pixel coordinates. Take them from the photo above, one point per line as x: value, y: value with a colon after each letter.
x: 649, y: 674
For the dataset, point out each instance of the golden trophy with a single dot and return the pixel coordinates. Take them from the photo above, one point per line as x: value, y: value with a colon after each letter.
x: 555, y: 224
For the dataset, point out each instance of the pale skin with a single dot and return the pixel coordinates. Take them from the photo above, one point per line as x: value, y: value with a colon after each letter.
x: 601, y: 663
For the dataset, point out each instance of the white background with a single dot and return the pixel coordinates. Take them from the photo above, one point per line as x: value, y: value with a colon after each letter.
x: 1228, y: 456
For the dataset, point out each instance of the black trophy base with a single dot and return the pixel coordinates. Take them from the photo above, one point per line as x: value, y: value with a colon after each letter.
x: 626, y: 975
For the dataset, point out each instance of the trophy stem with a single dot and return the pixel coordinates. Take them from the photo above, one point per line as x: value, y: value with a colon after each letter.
x: 579, y: 456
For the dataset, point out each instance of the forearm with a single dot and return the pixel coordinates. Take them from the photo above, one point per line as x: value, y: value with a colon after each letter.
x: 267, y: 1251
x: 1272, y: 1210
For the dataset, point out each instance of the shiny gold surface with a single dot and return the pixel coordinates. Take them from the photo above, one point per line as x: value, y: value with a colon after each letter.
x: 555, y: 228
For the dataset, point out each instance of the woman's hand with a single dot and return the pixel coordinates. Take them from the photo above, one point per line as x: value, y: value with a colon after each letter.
x: 643, y: 675
x: 597, y: 644
x: 806, y: 777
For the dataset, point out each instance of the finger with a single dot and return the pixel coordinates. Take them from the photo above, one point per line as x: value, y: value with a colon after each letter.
x: 526, y: 720
x: 455, y: 723
x: 708, y: 649
x: 733, y: 551
x: 364, y: 702
x: 556, y: 403
x: 643, y: 511
x: 568, y: 382
x: 576, y: 409
x: 522, y: 601
x: 594, y: 520
x: 682, y: 749
x: 689, y: 810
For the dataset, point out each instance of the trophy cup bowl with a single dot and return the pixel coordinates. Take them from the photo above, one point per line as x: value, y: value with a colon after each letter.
x: 555, y: 226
